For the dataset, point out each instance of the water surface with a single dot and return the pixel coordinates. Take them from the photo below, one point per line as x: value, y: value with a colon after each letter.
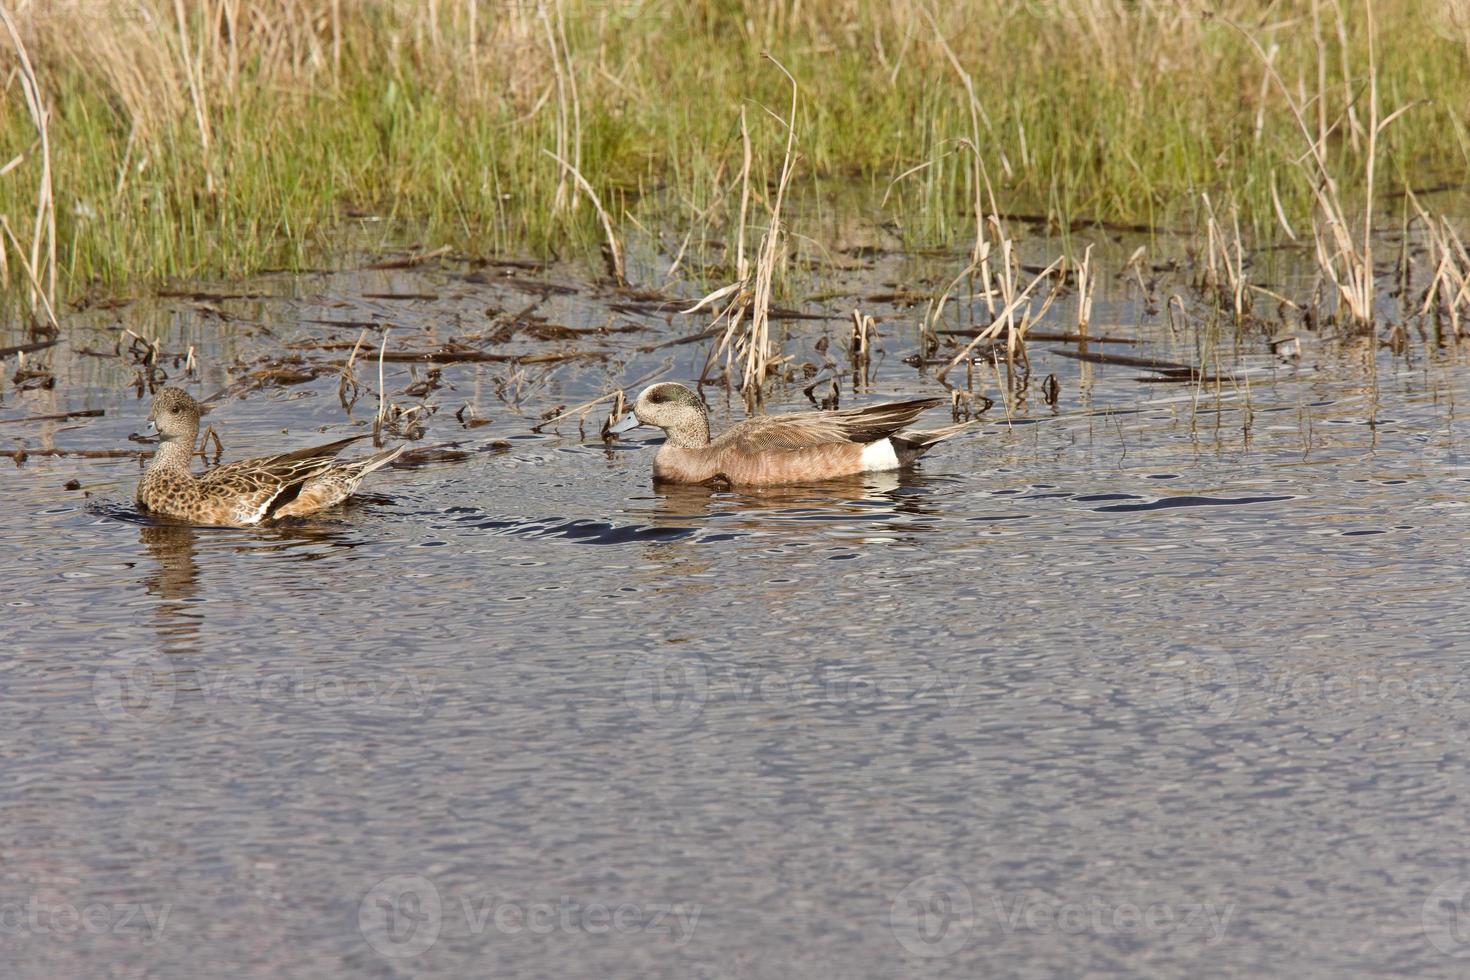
x: 1163, y: 680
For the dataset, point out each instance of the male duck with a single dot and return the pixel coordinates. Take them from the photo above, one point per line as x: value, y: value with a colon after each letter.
x: 770, y: 450
x: 249, y: 491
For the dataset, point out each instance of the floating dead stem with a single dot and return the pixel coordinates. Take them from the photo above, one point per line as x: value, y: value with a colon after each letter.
x: 746, y: 315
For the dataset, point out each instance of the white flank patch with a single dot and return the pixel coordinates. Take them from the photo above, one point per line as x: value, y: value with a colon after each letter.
x: 879, y: 456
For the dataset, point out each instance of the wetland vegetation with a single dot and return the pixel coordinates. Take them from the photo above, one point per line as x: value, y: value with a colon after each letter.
x: 146, y: 139
x: 1175, y: 625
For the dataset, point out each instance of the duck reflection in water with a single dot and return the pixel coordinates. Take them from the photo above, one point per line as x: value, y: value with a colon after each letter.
x: 885, y: 502
x: 175, y: 581
x: 177, y: 617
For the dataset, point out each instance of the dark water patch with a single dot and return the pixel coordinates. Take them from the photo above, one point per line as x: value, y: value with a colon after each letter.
x: 1169, y: 503
x: 583, y: 530
x: 601, y: 532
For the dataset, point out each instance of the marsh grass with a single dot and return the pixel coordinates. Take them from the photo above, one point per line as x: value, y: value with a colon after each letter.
x: 230, y: 136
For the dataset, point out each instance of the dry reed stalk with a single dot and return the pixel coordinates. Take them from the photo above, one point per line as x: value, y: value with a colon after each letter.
x: 1448, y: 291
x: 618, y: 397
x: 750, y: 294
x: 742, y: 267
x: 347, y: 387
x: 978, y: 115
x: 1345, y: 258
x: 1086, y: 288
x: 1005, y: 321
x: 860, y: 346
x: 758, y: 351
x: 568, y: 106
x: 41, y: 268
x: 194, y: 73
x: 205, y: 438
x: 382, y: 392
x: 614, y: 255
x: 37, y: 290
x: 1134, y: 265
x: 1226, y: 252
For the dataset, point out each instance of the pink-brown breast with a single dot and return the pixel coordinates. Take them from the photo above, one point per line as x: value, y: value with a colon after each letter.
x: 758, y: 469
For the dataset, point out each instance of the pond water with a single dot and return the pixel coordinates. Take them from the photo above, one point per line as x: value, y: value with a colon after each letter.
x: 1165, y: 679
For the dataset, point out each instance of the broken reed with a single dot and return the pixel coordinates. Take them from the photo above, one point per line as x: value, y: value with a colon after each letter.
x: 153, y: 138
x: 747, y: 314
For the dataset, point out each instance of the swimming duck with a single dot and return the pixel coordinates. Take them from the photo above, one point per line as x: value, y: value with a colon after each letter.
x: 770, y: 450
x: 248, y: 491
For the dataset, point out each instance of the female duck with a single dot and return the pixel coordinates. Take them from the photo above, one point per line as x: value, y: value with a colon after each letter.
x: 770, y: 450
x: 249, y: 491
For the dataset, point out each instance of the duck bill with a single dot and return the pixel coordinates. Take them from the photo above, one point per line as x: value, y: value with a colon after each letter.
x: 627, y: 423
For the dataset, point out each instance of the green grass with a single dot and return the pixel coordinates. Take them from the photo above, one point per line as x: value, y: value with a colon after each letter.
x: 1128, y: 114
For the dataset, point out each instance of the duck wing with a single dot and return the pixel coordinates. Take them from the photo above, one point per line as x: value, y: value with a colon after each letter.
x: 803, y: 430
x: 270, y: 475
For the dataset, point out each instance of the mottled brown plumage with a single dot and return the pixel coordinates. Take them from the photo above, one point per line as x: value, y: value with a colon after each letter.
x: 248, y: 491
x: 771, y: 450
